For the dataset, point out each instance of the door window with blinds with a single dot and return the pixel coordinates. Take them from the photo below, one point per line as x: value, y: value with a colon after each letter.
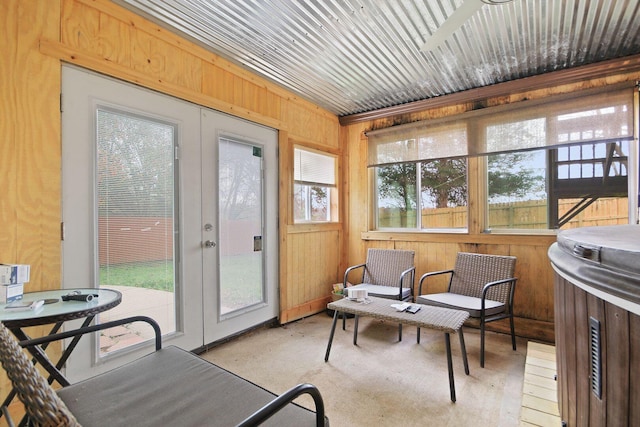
x: 136, y: 209
x: 315, y: 193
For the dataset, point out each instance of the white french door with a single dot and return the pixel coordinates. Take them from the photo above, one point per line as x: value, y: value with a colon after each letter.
x: 159, y: 197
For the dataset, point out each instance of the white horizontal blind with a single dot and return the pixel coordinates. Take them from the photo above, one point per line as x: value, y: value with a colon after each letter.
x: 590, y: 116
x: 311, y: 168
x: 136, y: 199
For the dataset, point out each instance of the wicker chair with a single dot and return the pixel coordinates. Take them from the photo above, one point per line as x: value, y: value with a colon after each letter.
x: 169, y: 386
x: 43, y: 405
x: 480, y: 284
x: 387, y: 273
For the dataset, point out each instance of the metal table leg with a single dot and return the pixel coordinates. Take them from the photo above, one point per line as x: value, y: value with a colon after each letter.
x: 355, y: 330
x: 333, y: 330
x: 452, y: 386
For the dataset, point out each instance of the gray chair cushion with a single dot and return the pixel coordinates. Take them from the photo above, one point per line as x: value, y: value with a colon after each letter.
x: 384, y: 291
x: 173, y: 387
x: 462, y: 302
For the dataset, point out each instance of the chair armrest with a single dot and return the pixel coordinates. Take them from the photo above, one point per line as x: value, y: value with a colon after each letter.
x: 350, y: 269
x: 283, y: 400
x: 412, y: 271
x: 94, y: 328
x: 431, y: 274
x: 490, y: 285
x: 486, y: 288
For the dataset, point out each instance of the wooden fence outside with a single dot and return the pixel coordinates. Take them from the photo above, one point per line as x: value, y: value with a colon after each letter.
x: 528, y: 214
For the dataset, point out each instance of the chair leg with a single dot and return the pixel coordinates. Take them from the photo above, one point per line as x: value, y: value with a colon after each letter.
x: 513, y: 333
x: 418, y: 336
x: 482, y: 344
x: 463, y: 348
x: 400, y: 332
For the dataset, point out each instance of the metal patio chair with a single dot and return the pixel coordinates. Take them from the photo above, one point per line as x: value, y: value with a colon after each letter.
x: 483, y: 285
x: 387, y: 273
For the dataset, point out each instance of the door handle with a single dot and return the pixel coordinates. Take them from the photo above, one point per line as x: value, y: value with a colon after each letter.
x: 209, y: 244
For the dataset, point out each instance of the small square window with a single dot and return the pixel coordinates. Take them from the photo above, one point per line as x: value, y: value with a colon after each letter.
x: 314, y: 192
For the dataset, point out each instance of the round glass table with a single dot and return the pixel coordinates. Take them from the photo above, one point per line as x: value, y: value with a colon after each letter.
x: 59, y: 311
x: 55, y: 311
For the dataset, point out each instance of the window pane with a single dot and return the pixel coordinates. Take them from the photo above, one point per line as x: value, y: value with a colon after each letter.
x: 301, y: 197
x: 444, y: 193
x: 396, y: 196
x: 517, y: 190
x: 135, y: 201
x: 240, y: 194
x: 311, y: 203
x: 571, y: 189
x: 319, y: 203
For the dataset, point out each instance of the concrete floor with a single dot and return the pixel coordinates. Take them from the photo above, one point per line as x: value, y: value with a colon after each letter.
x: 383, y: 382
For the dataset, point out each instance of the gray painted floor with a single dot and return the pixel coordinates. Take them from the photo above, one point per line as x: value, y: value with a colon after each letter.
x: 383, y: 382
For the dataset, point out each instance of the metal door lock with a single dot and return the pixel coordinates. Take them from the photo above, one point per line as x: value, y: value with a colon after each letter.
x: 209, y: 244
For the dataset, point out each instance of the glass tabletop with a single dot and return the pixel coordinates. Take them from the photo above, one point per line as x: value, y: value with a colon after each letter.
x: 59, y: 311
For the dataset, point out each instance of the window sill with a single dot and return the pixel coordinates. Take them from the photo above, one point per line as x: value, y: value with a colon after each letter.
x: 449, y: 237
x: 313, y: 227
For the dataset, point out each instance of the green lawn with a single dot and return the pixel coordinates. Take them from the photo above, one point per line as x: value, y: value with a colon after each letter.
x: 149, y: 275
x: 240, y: 277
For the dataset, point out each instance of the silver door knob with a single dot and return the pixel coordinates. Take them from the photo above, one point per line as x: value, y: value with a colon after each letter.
x: 209, y: 244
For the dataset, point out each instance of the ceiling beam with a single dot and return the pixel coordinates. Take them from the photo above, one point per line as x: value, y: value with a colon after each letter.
x: 550, y: 79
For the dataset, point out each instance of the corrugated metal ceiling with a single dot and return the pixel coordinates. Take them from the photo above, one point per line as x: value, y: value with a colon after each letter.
x: 353, y: 56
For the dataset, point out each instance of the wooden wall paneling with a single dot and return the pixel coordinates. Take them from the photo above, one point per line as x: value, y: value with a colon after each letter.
x: 237, y: 83
x: 284, y: 244
x: 35, y: 82
x: 617, y: 365
x: 534, y: 291
x: 305, y: 124
x: 316, y: 268
x: 156, y: 58
x: 408, y: 246
x: 429, y: 258
x: 10, y: 93
x: 422, y: 262
x: 30, y: 149
x: 475, y: 191
x: 215, y: 83
x: 91, y: 30
x: 80, y: 25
